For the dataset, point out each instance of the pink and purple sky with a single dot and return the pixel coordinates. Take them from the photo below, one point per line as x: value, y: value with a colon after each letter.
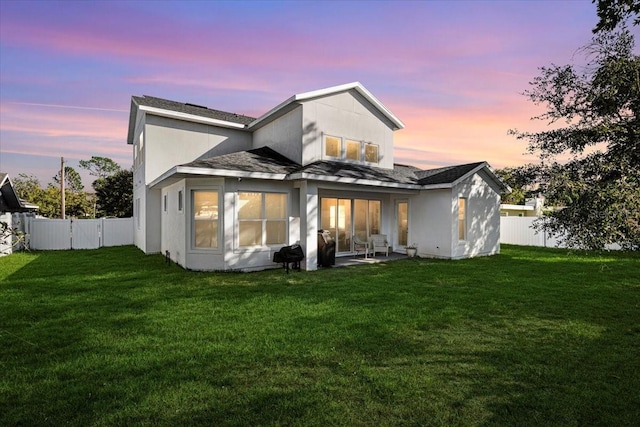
x: 453, y: 71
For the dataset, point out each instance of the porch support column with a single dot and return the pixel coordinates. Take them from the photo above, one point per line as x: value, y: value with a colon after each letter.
x: 309, y: 224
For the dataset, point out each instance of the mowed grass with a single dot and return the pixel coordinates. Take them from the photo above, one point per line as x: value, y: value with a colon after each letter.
x: 113, y: 337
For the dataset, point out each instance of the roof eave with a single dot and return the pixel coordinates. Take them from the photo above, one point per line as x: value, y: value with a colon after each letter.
x: 398, y: 124
x: 190, y: 117
x: 354, y: 181
x: 224, y: 173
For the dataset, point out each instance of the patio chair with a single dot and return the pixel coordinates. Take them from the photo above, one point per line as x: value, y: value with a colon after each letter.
x: 379, y: 243
x: 360, y: 246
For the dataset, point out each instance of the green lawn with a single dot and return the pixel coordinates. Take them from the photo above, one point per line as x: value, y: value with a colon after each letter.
x: 112, y: 337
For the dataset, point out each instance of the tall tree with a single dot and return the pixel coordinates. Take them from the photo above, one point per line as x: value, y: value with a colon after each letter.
x: 613, y: 12
x: 115, y: 194
x: 100, y: 167
x: 594, y: 112
x: 72, y: 179
x: 26, y: 186
x: 523, y: 183
x: 78, y: 203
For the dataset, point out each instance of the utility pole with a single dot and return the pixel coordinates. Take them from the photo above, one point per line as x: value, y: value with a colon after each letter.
x: 62, y: 207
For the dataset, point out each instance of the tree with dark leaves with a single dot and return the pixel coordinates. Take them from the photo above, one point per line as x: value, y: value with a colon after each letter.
x: 611, y: 13
x: 115, y: 194
x: 590, y: 158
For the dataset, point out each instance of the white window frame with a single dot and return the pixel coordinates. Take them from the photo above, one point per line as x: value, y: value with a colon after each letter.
x: 263, y: 220
x: 342, y: 150
x: 340, y: 147
x: 364, y: 152
x: 192, y: 220
x: 462, y: 222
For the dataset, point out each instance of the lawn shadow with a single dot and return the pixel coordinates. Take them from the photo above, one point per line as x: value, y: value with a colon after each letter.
x: 520, y: 338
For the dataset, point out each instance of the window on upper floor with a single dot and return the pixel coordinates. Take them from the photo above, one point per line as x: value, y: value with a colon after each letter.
x: 332, y: 146
x: 371, y: 153
x: 350, y: 150
x: 353, y: 150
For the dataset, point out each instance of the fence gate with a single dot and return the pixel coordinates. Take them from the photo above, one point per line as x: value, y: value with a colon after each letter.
x: 86, y: 233
x: 62, y: 234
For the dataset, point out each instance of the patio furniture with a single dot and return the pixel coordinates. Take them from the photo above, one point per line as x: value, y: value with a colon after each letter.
x: 360, y: 246
x: 379, y: 243
x: 326, y: 249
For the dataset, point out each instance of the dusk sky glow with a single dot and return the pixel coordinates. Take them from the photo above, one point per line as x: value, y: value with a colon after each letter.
x: 452, y: 71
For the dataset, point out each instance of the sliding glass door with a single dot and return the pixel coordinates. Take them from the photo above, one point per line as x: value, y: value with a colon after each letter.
x: 346, y: 217
x: 335, y: 216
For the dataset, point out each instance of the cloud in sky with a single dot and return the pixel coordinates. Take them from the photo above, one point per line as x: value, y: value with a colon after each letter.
x: 452, y: 71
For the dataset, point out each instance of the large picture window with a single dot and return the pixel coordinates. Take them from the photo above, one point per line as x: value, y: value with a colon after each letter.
x: 205, y: 219
x: 262, y: 219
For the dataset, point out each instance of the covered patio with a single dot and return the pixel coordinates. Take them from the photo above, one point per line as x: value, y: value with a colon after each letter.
x: 344, y: 261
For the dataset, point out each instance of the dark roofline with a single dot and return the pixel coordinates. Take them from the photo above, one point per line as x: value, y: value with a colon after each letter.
x: 266, y: 163
x: 159, y: 106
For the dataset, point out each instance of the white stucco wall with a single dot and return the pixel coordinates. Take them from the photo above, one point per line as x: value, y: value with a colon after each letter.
x: 430, y: 223
x: 174, y: 223
x: 284, y: 135
x: 171, y: 142
x: 483, y: 218
x: 345, y: 115
x: 229, y: 256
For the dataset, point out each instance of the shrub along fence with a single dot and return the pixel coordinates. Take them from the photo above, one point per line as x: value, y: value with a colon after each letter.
x: 61, y: 234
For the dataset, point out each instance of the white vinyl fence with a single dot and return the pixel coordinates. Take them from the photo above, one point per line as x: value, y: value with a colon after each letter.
x: 518, y: 230
x: 61, y: 234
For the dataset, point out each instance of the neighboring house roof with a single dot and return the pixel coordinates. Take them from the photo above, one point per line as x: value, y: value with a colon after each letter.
x: 266, y: 163
x: 9, y: 200
x: 357, y: 86
x: 184, y: 111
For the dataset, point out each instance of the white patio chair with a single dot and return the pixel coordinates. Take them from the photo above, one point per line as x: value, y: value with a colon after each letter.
x: 379, y: 243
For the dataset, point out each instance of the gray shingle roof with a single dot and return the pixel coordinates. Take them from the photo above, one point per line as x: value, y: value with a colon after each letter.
x: 400, y: 174
x: 266, y: 160
x: 445, y: 175
x: 263, y: 160
x: 196, y: 110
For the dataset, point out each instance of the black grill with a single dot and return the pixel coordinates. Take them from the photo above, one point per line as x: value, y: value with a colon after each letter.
x: 289, y: 255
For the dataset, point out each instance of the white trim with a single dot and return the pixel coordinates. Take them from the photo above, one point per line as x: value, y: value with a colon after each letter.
x: 309, y: 176
x: 215, y: 172
x: 516, y: 207
x: 330, y: 91
x: 190, y: 117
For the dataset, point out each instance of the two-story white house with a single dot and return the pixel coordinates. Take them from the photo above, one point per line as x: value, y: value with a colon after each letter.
x: 221, y: 191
